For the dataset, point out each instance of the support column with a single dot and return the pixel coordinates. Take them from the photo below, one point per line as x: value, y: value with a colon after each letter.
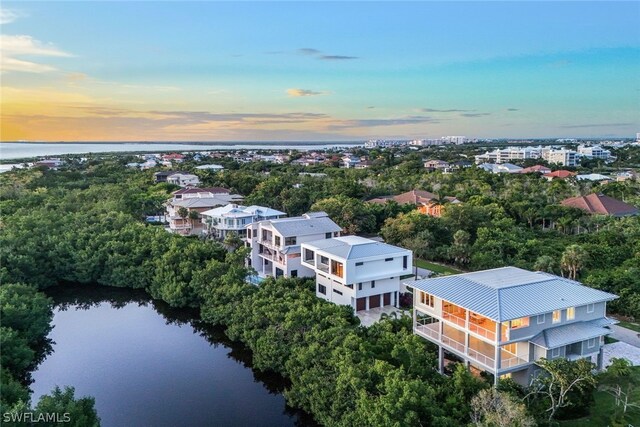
x: 440, y: 360
x: 496, y: 366
x: 600, y: 363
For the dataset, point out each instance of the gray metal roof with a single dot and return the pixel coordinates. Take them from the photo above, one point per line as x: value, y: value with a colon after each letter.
x: 569, y: 334
x: 355, y: 247
x: 204, y: 202
x: 510, y: 293
x: 304, y: 225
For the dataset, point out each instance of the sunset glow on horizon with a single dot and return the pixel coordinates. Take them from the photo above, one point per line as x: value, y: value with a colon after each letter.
x: 223, y: 71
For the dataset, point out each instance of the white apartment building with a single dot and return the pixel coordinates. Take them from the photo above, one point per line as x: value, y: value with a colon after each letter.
x: 458, y: 140
x: 275, y: 244
x: 510, y: 153
x: 219, y: 222
x: 594, y: 152
x: 358, y: 272
x: 563, y: 156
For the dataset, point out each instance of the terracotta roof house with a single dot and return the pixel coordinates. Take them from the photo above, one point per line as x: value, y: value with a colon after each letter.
x: 600, y: 204
x: 560, y: 174
x: 536, y: 169
x: 420, y: 198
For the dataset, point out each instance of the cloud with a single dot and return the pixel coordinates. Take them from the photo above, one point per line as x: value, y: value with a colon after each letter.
x: 318, y: 54
x: 399, y: 121
x: 308, y: 51
x: 336, y: 57
x: 435, y: 110
x: 596, y: 125
x: 12, y: 47
x: 7, y: 16
x: 303, y: 92
x: 371, y: 107
x: 475, y: 114
x: 513, y: 109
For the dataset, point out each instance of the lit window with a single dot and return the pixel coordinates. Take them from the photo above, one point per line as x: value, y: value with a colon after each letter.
x: 523, y: 322
x: 541, y: 319
x: 571, y: 313
x: 556, y: 316
x: 427, y: 299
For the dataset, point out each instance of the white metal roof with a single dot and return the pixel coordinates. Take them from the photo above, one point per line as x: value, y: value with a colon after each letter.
x: 569, y: 334
x: 303, y: 225
x: 510, y: 293
x: 354, y: 247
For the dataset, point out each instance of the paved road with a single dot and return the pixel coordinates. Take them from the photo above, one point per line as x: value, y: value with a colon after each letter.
x: 625, y: 335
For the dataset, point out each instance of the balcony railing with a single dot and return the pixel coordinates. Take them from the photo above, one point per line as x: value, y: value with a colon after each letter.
x: 482, y: 358
x: 273, y: 257
x: 512, y: 361
x: 268, y: 244
x: 460, y: 321
x: 429, y: 329
x: 487, y: 333
x: 452, y: 343
x: 323, y: 267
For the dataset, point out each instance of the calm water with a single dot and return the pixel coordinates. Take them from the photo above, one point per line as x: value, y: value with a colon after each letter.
x: 20, y: 150
x: 149, y: 365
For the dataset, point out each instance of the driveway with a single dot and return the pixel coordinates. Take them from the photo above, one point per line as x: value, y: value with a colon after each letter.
x: 625, y: 335
x: 621, y: 350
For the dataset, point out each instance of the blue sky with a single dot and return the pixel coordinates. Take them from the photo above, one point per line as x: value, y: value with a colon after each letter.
x: 319, y: 70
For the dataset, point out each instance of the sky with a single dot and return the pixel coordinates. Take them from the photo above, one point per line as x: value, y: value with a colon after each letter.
x: 318, y: 71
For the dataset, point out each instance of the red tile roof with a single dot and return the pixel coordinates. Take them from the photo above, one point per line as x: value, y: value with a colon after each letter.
x: 536, y: 168
x: 560, y: 174
x: 413, y: 197
x: 601, y: 204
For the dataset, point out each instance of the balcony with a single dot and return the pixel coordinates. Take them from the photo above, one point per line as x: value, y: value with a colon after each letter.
x: 428, y: 327
x: 460, y: 321
x: 511, y: 360
x: 268, y: 244
x: 481, y: 357
x: 323, y: 267
x: 456, y: 345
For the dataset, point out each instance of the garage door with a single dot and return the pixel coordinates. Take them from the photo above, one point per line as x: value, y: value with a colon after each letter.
x: 361, y: 304
x: 374, y: 301
x: 387, y: 298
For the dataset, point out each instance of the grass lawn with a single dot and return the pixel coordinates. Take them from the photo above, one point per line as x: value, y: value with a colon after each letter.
x: 604, y: 407
x: 630, y: 325
x: 437, y: 268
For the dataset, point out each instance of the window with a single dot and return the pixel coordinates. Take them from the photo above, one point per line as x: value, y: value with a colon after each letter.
x: 322, y: 289
x: 249, y: 233
x: 555, y: 352
x: 373, y: 284
x: 327, y: 235
x: 359, y: 286
x: 324, y: 260
x: 294, y: 273
x: 289, y: 241
x: 427, y: 299
x: 404, y: 261
x: 337, y: 268
x: 523, y: 322
x: 337, y: 292
x: 308, y: 255
x: 511, y: 348
x: 542, y: 318
x: 571, y: 313
x: 358, y: 264
x: 591, y: 308
x: 277, y: 240
x: 591, y: 343
x: 557, y: 316
x: 388, y: 259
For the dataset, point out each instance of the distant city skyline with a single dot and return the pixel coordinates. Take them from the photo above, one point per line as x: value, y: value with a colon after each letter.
x: 318, y: 71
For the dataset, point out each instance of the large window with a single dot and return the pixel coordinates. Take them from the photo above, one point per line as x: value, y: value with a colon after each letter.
x: 571, y: 313
x: 523, y: 322
x: 289, y: 241
x: 337, y: 268
x: 277, y: 240
x: 427, y: 299
x: 555, y: 352
x: 404, y: 262
x: 308, y: 255
x: 591, y: 343
x: 557, y: 316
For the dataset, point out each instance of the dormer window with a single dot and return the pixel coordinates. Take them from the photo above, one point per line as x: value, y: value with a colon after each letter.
x: 557, y: 316
x: 571, y: 313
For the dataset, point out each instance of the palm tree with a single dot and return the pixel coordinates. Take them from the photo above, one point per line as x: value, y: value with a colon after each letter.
x: 193, y: 215
x: 573, y: 259
x: 183, y: 213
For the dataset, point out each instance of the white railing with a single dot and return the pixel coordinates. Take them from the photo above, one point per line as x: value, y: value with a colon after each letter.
x: 487, y: 333
x: 482, y: 358
x: 268, y: 244
x: 452, y: 343
x: 429, y: 329
x: 323, y: 267
x: 454, y: 319
x: 512, y: 361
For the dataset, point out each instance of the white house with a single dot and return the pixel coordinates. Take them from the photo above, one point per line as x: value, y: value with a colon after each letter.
x: 275, y: 244
x: 358, y: 272
x: 503, y: 320
x: 234, y: 218
x: 212, y: 168
x: 183, y: 179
